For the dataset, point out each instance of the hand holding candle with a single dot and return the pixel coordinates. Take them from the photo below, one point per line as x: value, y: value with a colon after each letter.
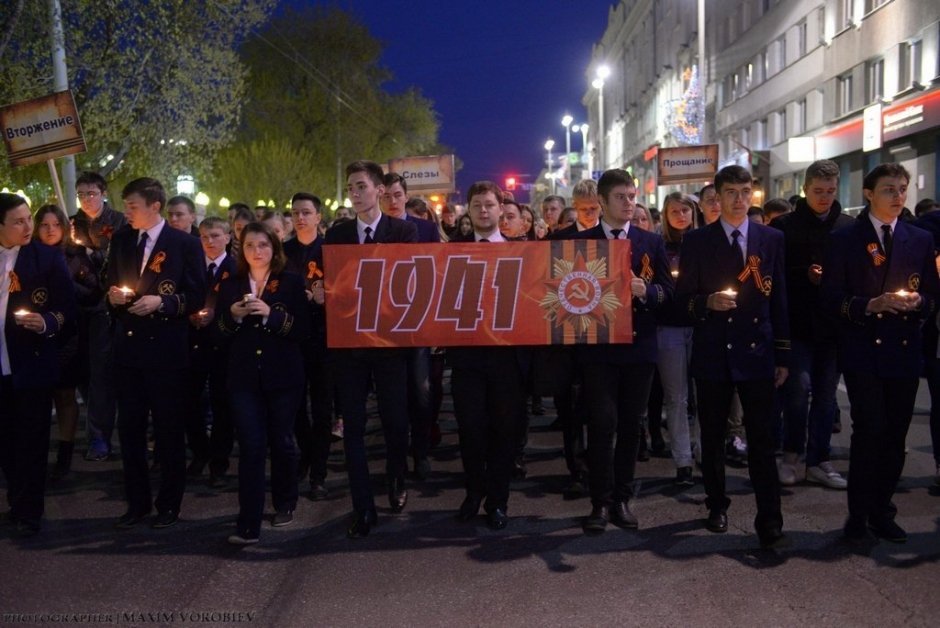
x: 120, y: 296
x: 722, y: 301
x: 29, y: 320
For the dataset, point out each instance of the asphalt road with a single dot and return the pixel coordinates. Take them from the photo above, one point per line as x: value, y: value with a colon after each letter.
x: 422, y: 568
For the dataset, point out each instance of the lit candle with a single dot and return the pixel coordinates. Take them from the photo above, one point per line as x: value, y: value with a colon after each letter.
x: 77, y: 241
x: 731, y: 292
x: 126, y: 291
x: 248, y: 297
x: 674, y: 273
x: 20, y: 314
x: 902, y: 292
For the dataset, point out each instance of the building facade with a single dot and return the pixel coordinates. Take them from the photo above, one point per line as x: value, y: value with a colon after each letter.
x: 785, y: 82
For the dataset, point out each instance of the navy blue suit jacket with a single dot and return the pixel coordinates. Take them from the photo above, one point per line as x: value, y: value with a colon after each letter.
x: 175, y: 271
x: 265, y: 355
x: 647, y: 251
x: 884, y: 344
x: 748, y: 342
x: 202, y: 344
x: 389, y: 230
x: 42, y: 285
x: 427, y: 230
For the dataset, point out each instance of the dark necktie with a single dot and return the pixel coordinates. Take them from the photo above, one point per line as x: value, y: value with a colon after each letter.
x: 616, y: 233
x: 736, y: 246
x: 484, y: 240
x: 210, y: 273
x: 141, y: 248
x: 368, y: 239
x: 888, y: 239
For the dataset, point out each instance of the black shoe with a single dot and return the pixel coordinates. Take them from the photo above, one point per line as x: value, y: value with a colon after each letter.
x: 130, y: 519
x: 856, y: 532
x: 318, y: 491
x: 469, y: 509
x: 596, y: 522
x: 281, y: 519
x: 717, y: 521
x: 575, y: 490
x: 422, y: 468
x: 684, y: 477
x: 166, y: 519
x: 25, y: 529
x: 497, y: 519
x: 362, y: 524
x: 622, y: 517
x: 888, y: 530
x: 63, y: 461
x: 774, y: 539
x: 196, y: 467
x: 518, y: 469
x: 397, y: 495
x: 242, y: 539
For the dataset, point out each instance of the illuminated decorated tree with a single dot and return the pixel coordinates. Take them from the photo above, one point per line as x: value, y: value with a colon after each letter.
x: 686, y: 115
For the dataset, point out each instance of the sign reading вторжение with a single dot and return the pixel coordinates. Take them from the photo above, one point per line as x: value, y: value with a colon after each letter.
x: 41, y: 129
x: 433, y: 173
x: 686, y: 164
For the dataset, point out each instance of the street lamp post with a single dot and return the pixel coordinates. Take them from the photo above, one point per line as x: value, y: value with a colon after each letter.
x: 566, y: 122
x: 602, y: 73
x: 585, y: 155
x: 549, y: 145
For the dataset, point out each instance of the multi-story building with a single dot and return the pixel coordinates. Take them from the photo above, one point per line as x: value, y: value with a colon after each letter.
x: 788, y: 81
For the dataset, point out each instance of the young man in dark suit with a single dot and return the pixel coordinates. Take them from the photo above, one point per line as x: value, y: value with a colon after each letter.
x: 357, y: 368
x: 731, y: 283
x: 208, y: 363
x: 881, y: 284
x: 617, y: 378
x: 489, y: 392
x: 156, y: 279
x: 305, y: 257
x: 37, y: 302
x: 419, y: 359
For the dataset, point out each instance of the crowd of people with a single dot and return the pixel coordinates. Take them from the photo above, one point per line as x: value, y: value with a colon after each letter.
x: 201, y: 336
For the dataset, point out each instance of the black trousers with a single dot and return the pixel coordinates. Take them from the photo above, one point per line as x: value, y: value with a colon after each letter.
x: 356, y: 369
x: 615, y: 396
x: 313, y: 427
x: 419, y: 400
x: 143, y: 394
x: 217, y: 448
x: 881, y: 415
x: 757, y: 401
x: 486, y: 405
x: 25, y: 416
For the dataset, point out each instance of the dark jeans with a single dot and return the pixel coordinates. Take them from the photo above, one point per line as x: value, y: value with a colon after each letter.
x: 25, y: 417
x: 217, y: 448
x: 757, y: 401
x: 313, y: 428
x: 389, y: 369
x: 881, y: 414
x: 143, y: 394
x: 616, y: 397
x: 813, y: 371
x: 419, y: 400
x: 265, y: 419
x: 933, y: 381
x: 486, y: 406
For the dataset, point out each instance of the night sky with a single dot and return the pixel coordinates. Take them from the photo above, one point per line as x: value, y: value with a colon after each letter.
x: 501, y: 74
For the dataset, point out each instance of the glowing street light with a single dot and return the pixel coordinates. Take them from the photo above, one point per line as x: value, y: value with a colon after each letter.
x: 601, y: 73
x: 549, y: 145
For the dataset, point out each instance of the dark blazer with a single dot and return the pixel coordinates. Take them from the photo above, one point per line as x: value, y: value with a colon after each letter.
x: 265, y: 356
x: 307, y: 261
x: 648, y: 252
x: 389, y: 230
x: 566, y: 233
x: 175, y: 272
x: 42, y: 285
x: 202, y: 342
x: 748, y: 342
x: 427, y: 230
x: 469, y: 357
x: 884, y: 344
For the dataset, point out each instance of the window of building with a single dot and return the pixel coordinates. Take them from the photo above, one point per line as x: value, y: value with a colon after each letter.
x: 801, y: 38
x: 799, y: 117
x: 760, y: 134
x: 875, y: 80
x: 871, y: 5
x: 781, y: 125
x: 846, y: 14
x: 910, y: 59
x: 844, y: 95
x: 749, y: 76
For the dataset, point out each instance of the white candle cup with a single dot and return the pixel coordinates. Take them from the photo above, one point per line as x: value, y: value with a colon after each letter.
x: 248, y: 297
x: 730, y: 292
x: 21, y: 314
x: 902, y: 293
x: 674, y: 273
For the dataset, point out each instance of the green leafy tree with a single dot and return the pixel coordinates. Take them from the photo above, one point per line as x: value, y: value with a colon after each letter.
x: 143, y: 73
x: 315, y: 80
x: 264, y: 169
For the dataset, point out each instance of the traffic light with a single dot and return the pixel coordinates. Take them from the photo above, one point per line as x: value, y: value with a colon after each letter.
x: 510, y: 183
